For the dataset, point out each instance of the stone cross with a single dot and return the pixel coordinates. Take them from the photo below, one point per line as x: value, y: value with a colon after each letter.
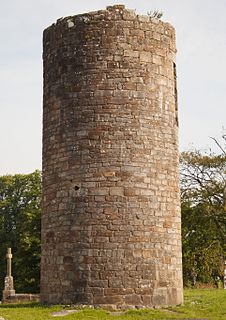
x: 9, y: 262
x: 9, y: 288
x: 225, y: 275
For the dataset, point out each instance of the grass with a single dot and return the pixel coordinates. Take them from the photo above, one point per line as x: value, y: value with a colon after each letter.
x: 199, y: 304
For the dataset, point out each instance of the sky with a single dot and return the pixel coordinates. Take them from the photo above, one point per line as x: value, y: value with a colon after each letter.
x: 201, y: 68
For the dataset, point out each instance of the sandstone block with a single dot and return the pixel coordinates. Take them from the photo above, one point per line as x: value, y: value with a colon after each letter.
x: 116, y: 191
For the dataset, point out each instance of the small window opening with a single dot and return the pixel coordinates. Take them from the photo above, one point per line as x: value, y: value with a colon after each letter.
x: 175, y: 92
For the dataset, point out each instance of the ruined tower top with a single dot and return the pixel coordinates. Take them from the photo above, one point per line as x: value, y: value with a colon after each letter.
x: 115, y: 12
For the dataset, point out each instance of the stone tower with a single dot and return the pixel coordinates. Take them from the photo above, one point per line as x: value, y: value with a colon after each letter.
x: 111, y: 205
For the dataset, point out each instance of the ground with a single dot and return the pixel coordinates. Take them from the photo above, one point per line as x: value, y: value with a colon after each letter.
x: 199, y: 304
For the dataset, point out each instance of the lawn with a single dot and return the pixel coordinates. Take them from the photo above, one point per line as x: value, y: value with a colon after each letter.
x: 199, y: 304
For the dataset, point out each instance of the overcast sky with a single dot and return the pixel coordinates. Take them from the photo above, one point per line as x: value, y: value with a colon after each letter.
x: 201, y: 66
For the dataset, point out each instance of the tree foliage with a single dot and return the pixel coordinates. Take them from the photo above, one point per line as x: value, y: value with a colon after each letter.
x: 203, y: 216
x: 20, y: 229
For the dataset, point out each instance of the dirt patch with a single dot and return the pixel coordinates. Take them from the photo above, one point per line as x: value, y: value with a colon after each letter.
x: 116, y: 313
x: 63, y: 313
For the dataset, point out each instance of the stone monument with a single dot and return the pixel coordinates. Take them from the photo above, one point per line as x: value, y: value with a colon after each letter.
x: 111, y: 228
x: 9, y: 294
x: 225, y: 275
x: 8, y: 287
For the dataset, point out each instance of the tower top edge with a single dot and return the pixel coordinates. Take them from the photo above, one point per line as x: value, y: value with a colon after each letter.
x: 113, y: 13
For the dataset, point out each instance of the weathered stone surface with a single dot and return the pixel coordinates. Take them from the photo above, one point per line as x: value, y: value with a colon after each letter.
x: 111, y: 204
x: 8, y: 285
x: 21, y: 298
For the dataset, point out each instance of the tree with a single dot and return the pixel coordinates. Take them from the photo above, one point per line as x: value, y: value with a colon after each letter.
x: 20, y: 228
x: 203, y: 216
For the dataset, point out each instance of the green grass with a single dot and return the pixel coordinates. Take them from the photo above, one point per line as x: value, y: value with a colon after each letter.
x: 199, y: 304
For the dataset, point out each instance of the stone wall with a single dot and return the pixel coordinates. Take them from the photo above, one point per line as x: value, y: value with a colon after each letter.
x: 111, y: 205
x: 21, y: 298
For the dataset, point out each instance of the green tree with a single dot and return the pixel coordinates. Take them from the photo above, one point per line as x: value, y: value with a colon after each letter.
x: 203, y: 216
x: 20, y: 229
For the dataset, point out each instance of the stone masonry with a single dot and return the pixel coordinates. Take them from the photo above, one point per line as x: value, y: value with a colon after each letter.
x: 8, y: 286
x: 9, y: 294
x: 111, y: 228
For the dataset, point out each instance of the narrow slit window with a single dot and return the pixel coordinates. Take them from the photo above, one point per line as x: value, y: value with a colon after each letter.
x: 175, y: 92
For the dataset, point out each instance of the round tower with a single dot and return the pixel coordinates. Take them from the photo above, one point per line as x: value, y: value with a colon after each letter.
x: 111, y: 205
